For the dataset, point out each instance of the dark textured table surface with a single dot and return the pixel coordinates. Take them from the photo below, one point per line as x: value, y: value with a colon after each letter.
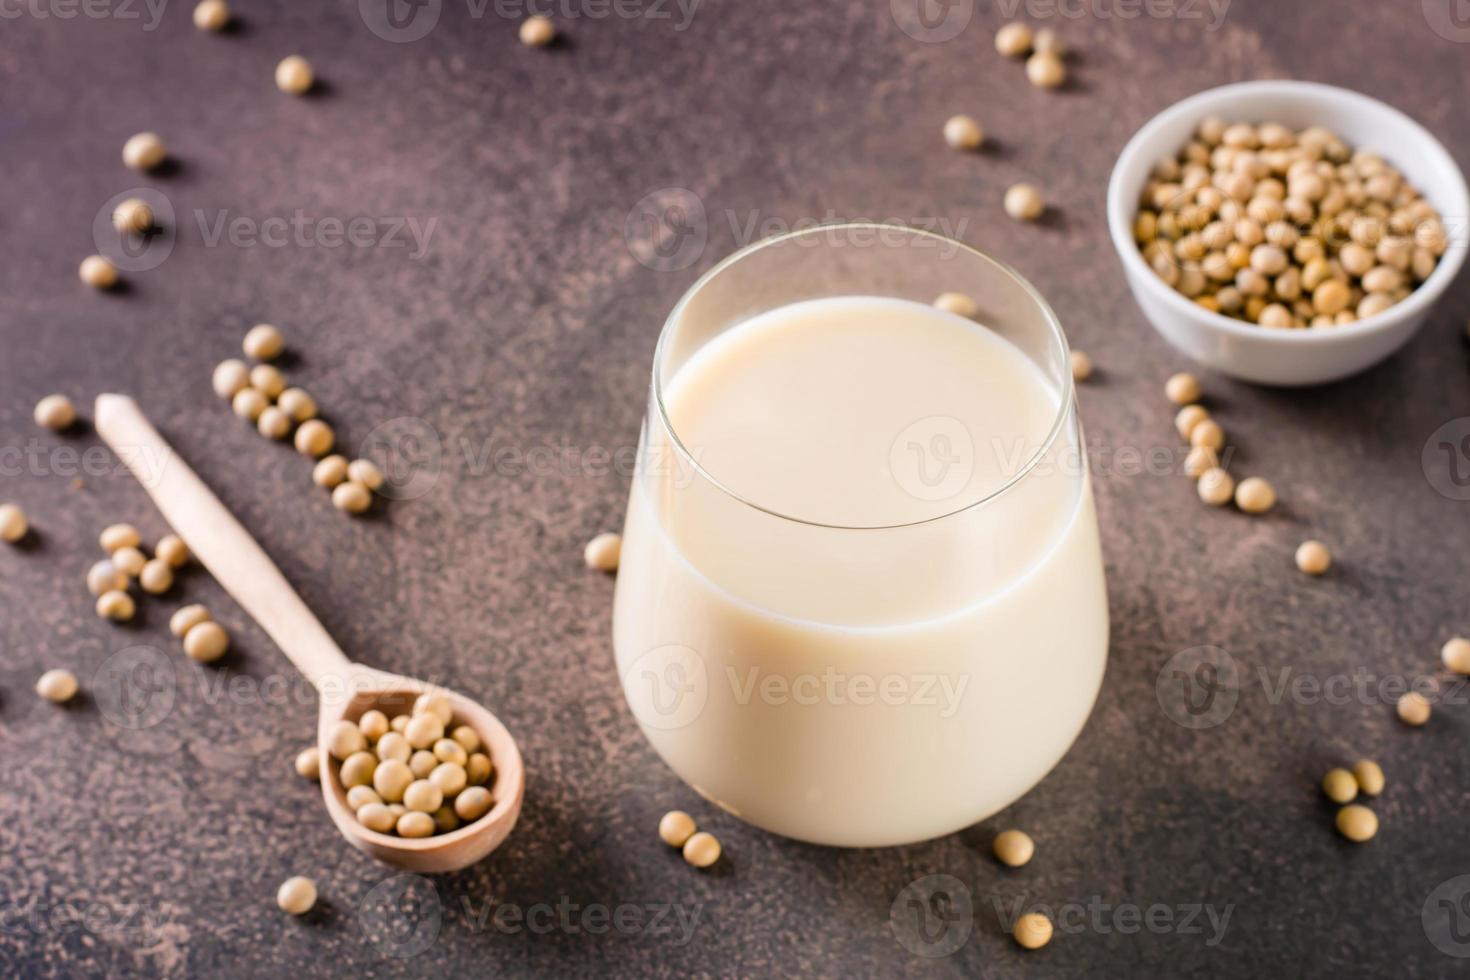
x: 145, y: 829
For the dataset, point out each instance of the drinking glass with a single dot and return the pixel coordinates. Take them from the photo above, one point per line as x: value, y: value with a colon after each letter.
x: 865, y: 685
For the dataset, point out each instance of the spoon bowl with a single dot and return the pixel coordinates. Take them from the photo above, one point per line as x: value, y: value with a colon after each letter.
x: 366, y: 688
x: 345, y: 689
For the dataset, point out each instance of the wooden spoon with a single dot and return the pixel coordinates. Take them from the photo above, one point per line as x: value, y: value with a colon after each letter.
x: 345, y: 689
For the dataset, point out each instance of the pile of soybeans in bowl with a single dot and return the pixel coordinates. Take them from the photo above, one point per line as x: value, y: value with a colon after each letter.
x: 1286, y: 229
x: 413, y: 775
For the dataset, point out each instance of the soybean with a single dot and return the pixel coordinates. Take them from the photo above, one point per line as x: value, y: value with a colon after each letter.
x: 603, y: 552
x: 296, y: 895
x: 55, y: 412
x: 144, y: 151
x: 329, y: 471
x: 206, y: 642
x: 117, y: 536
x: 1357, y: 823
x: 13, y: 523
x: 294, y: 75
x: 1369, y: 776
x: 963, y: 133
x: 57, y: 686
x: 1414, y: 709
x: 702, y: 849
x: 1313, y: 557
x: 263, y: 342
x: 1014, y: 848
x: 315, y: 438
x: 97, y: 272
x: 1024, y: 202
x: 116, y: 605
x: 675, y: 828
x: 1340, y: 786
x: 185, y: 619
x: 1032, y: 931
x: 537, y: 31
x: 1456, y: 654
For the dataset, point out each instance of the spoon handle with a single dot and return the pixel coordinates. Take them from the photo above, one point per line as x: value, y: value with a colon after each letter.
x: 219, y: 541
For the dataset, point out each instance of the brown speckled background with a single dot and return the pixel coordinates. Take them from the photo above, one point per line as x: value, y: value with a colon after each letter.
x: 527, y: 325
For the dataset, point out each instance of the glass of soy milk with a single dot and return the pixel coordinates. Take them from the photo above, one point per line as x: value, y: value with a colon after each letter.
x: 861, y: 597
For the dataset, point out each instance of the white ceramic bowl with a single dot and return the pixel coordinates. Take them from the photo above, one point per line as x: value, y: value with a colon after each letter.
x: 1288, y: 357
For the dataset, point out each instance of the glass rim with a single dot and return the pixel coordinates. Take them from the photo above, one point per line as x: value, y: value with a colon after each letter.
x: 1049, y: 317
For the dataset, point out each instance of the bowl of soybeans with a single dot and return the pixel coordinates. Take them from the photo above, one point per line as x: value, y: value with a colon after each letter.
x: 1287, y: 233
x: 410, y: 766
